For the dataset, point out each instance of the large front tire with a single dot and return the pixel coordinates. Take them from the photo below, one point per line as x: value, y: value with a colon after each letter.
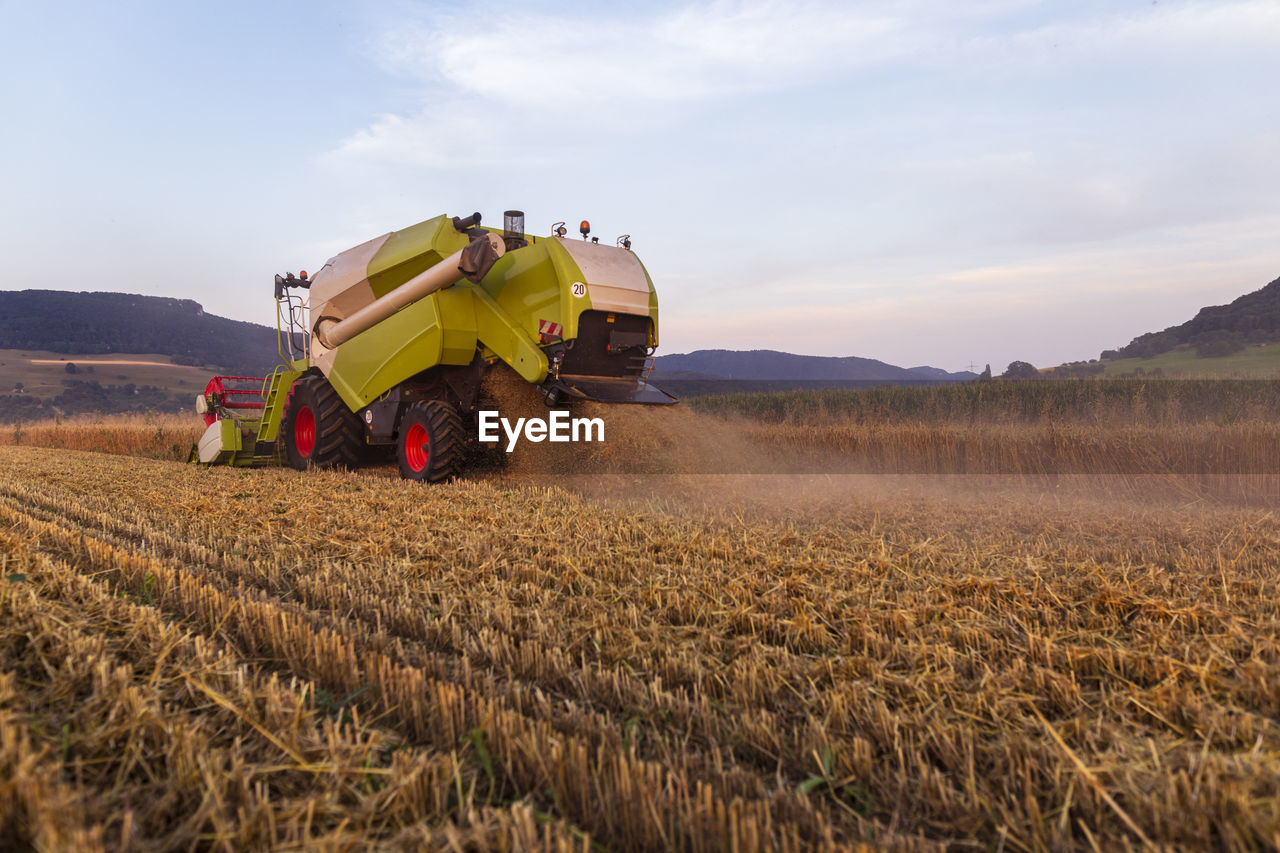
x: 430, y: 442
x: 318, y: 430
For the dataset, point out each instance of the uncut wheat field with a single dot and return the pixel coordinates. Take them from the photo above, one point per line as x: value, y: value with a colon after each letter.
x: 220, y: 659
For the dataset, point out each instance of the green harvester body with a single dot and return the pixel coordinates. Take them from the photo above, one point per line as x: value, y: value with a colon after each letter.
x: 574, y: 318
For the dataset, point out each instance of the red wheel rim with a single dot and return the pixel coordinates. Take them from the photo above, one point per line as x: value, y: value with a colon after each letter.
x: 304, y: 431
x: 417, y: 448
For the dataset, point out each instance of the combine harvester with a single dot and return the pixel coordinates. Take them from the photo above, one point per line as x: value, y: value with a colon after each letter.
x: 395, y: 337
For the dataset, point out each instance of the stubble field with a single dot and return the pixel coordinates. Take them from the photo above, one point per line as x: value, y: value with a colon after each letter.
x: 639, y: 660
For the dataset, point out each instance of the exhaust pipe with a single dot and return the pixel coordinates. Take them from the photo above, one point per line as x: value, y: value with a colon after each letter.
x: 471, y: 263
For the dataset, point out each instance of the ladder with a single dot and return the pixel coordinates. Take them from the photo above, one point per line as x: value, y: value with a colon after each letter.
x: 276, y: 391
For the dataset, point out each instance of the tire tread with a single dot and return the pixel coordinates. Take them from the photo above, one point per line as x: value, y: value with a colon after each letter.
x: 444, y: 425
x: 339, y: 434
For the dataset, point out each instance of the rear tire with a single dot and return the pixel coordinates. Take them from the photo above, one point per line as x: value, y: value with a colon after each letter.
x: 318, y: 430
x: 430, y: 442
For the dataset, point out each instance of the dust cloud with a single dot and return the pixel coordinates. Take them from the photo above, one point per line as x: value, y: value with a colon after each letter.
x: 638, y: 439
x: 673, y: 459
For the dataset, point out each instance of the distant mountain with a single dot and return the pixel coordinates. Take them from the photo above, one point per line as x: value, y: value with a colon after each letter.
x: 769, y: 365
x: 98, y: 323
x: 1216, y: 330
x: 88, y: 322
x: 941, y: 375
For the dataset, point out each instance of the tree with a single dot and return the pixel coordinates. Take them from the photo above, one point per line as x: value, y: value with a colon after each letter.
x: 1217, y: 344
x: 1020, y: 370
x: 71, y: 368
x: 985, y: 375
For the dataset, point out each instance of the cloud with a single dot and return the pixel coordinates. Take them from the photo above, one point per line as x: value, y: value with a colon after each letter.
x: 723, y: 48
x: 555, y: 75
x: 485, y: 72
x: 823, y: 163
x: 448, y: 134
x: 1076, y: 38
x: 1040, y: 306
x: 1080, y: 193
x: 560, y: 60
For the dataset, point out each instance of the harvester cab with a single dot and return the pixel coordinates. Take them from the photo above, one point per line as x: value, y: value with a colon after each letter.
x: 391, y: 342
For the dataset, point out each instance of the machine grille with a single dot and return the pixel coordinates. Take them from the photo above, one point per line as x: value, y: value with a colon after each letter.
x: 609, y: 348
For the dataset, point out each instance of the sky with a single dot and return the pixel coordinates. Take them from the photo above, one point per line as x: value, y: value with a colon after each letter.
x: 921, y: 182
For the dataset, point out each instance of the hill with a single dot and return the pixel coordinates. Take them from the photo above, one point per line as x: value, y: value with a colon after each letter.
x: 68, y: 353
x: 102, y: 323
x: 151, y: 352
x: 718, y: 370
x: 1216, y: 330
x: 1254, y: 361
